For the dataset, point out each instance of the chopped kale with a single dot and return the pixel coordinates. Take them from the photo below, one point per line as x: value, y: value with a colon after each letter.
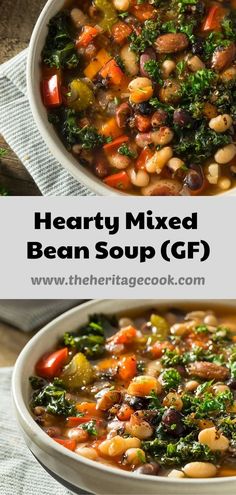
x: 207, y: 404
x: 214, y: 41
x: 152, y: 67
x: 59, y: 50
x: 154, y: 401
x: 197, y: 85
x: 90, y: 427
x: 126, y: 151
x: 150, y: 31
x: 66, y: 124
x: 53, y: 398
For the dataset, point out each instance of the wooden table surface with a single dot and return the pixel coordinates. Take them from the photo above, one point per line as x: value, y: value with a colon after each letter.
x: 12, y: 342
x: 17, y: 19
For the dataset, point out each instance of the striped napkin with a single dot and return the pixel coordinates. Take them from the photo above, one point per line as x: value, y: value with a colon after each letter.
x: 19, y: 130
x: 20, y: 473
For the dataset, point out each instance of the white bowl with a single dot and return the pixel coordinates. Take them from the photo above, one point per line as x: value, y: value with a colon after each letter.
x: 46, y: 129
x: 67, y: 467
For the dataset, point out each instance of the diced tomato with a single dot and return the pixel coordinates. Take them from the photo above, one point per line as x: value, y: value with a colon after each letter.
x: 112, y: 72
x: 144, y: 156
x: 143, y: 12
x: 120, y: 32
x: 125, y: 335
x: 115, y: 143
x: 51, y: 89
x: 87, y: 35
x: 69, y: 444
x: 158, y: 348
x: 118, y: 181
x: 127, y: 368
x: 125, y: 412
x: 50, y: 364
x: 142, y: 122
x: 214, y: 18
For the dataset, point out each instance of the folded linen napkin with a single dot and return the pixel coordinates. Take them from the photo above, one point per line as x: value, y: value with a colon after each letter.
x: 20, y: 131
x: 28, y: 315
x: 20, y: 473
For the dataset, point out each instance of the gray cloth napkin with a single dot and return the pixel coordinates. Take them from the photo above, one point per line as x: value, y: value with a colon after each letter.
x: 20, y: 131
x: 20, y: 473
x: 28, y: 315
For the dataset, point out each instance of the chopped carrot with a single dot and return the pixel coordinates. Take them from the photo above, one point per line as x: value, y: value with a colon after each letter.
x: 125, y: 412
x: 97, y: 63
x: 145, y: 155
x: 127, y: 368
x: 88, y: 408
x: 115, y: 143
x: 112, y: 72
x: 69, y: 444
x: 143, y: 386
x: 73, y: 421
x: 143, y: 12
x: 87, y: 35
x: 158, y: 348
x: 214, y: 18
x: 107, y: 363
x: 111, y: 129
x: 118, y: 181
x: 120, y: 32
x: 234, y: 338
x: 125, y: 335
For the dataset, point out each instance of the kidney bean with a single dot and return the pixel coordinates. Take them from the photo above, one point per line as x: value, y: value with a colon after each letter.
x: 171, y: 43
x: 101, y: 169
x: 159, y: 118
x: 232, y: 383
x: 142, y: 122
x: 173, y: 417
x: 208, y: 371
x: 222, y: 57
x: 182, y: 117
x: 149, y: 54
x: 198, y: 47
x: 123, y: 112
x: 151, y: 468
x: 143, y: 139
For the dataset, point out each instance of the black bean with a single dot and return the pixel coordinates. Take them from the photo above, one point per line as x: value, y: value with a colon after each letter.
x: 152, y: 468
x: 137, y: 403
x: 232, y: 383
x: 193, y: 180
x: 172, y: 422
x: 182, y: 117
x: 145, y: 108
x: 198, y: 47
x: 159, y: 118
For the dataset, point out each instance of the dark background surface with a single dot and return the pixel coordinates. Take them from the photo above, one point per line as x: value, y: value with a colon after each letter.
x: 17, y: 19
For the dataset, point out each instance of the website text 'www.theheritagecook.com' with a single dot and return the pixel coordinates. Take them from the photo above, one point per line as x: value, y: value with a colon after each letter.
x: 117, y: 280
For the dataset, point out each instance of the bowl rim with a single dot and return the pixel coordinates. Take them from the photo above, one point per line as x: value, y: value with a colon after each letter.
x: 85, y: 177
x: 45, y: 442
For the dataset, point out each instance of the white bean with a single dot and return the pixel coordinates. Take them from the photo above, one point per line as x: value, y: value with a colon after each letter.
x: 119, y: 161
x: 210, y: 319
x: 141, y: 430
x: 173, y: 399
x: 130, y: 61
x: 191, y: 385
x: 195, y: 63
x: 219, y: 388
x: 221, y: 123
x: 121, y: 5
x: 200, y: 470
x: 168, y: 67
x: 154, y: 368
x: 159, y: 160
x: 87, y: 452
x: 135, y: 457
x: 213, y: 439
x: 163, y: 136
x: 175, y: 163
x: 213, y: 174
x: 125, y: 322
x: 78, y: 18
x: 224, y: 183
x: 225, y: 154
x: 175, y: 473
x: 113, y: 447
x: 139, y: 178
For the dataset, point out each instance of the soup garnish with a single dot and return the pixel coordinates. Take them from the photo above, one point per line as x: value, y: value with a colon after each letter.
x: 155, y: 395
x: 143, y: 92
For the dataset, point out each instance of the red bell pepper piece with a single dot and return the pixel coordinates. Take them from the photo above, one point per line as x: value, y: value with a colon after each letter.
x: 144, y: 156
x: 51, y: 89
x: 214, y: 18
x: 118, y: 181
x: 69, y: 444
x: 115, y: 143
x: 50, y: 364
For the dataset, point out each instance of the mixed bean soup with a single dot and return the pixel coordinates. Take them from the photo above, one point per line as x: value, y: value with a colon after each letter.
x: 143, y: 92
x: 155, y: 394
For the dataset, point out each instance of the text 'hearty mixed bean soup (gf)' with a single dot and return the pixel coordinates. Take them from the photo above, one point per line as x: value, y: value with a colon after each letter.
x: 157, y: 396
x: 143, y: 92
